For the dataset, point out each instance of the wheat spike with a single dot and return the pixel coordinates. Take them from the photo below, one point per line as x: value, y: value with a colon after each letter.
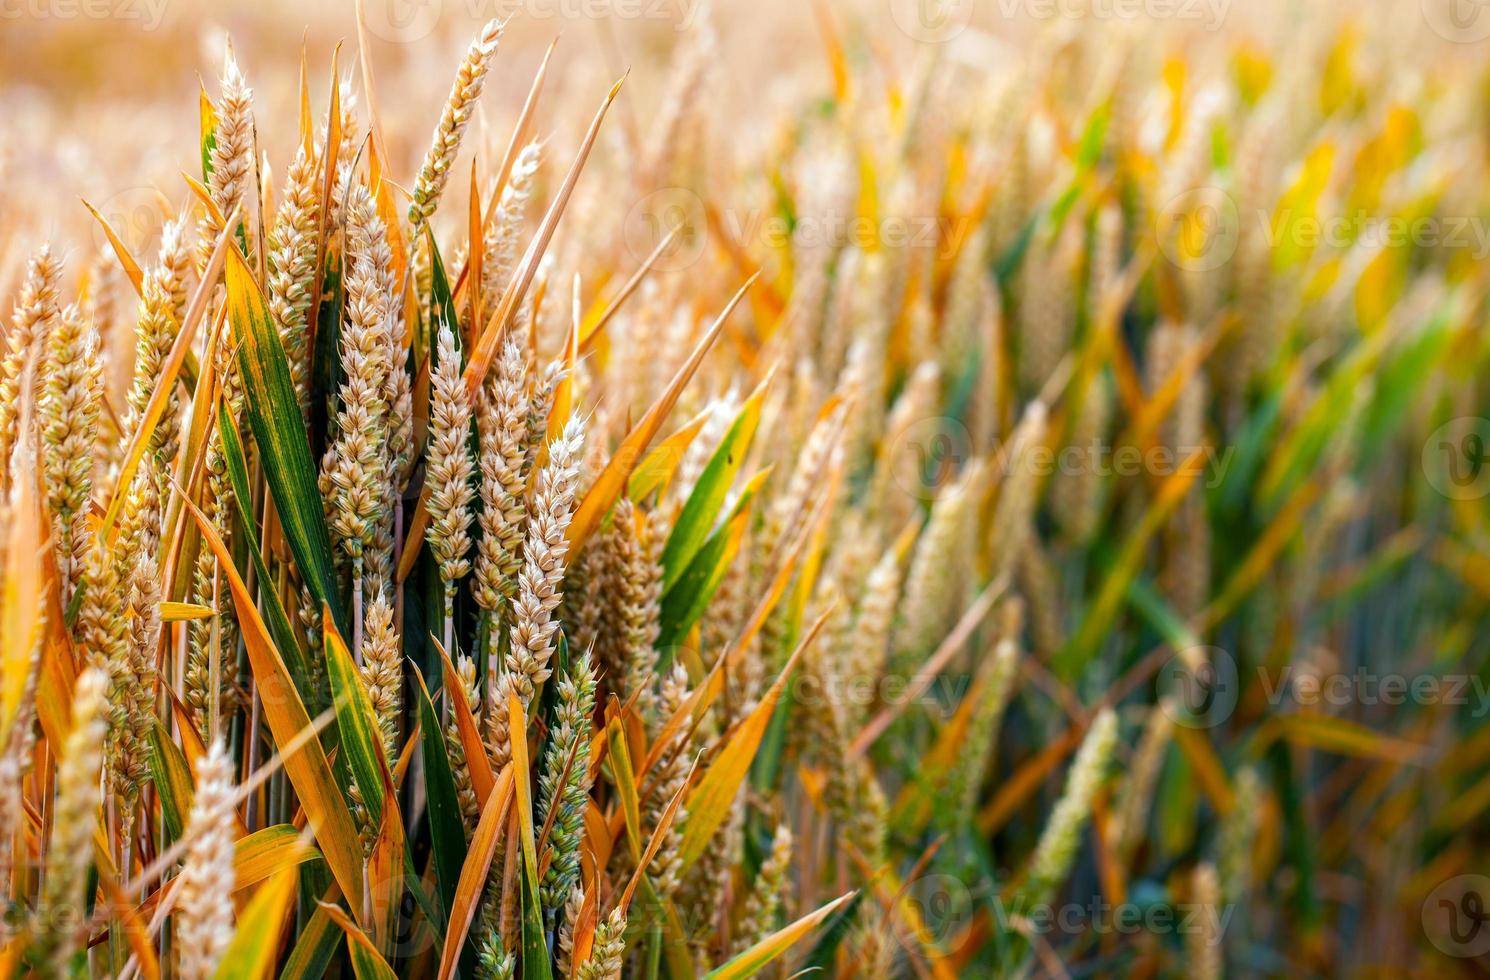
x: 495, y: 963
x: 402, y: 455
x: 1203, y: 943
x: 211, y: 641
x: 1058, y: 842
x: 501, y: 425
x: 545, y: 551
x: 73, y: 820
x: 16, y: 756
x: 382, y: 671
x: 759, y: 916
x: 869, y: 643
x: 635, y: 588
x: 572, y: 906
x: 204, y: 907
x: 35, y: 312
x: 450, y: 468
x: 465, y: 672
x: 435, y: 170
x: 1039, y: 586
x: 72, y: 393
x: 1047, y: 314
x: 1132, y: 811
x: 607, y: 950
x: 292, y: 257
x: 938, y: 569
x: 995, y: 686
x: 232, y: 157
x: 155, y: 332
x: 1019, y: 492
x: 99, y: 300
x: 1238, y: 834
x: 669, y: 777
x: 1075, y: 497
x: 137, y: 694
x: 354, y: 472
x: 873, y: 953
x: 504, y: 227
x: 899, y: 476
x: 564, y: 785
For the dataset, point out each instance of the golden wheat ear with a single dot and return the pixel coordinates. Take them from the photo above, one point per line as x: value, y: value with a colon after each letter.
x: 464, y: 93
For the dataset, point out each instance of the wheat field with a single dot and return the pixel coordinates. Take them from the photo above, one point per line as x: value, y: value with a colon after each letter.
x: 653, y: 488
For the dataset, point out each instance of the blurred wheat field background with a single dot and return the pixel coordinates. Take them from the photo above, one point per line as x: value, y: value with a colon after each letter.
x: 643, y: 488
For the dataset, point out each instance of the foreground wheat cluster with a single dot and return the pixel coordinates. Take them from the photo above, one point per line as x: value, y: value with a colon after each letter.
x: 410, y: 573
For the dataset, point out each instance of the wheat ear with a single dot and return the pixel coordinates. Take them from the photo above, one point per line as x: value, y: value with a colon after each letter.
x: 470, y: 78
x: 538, y: 595
x: 204, y: 907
